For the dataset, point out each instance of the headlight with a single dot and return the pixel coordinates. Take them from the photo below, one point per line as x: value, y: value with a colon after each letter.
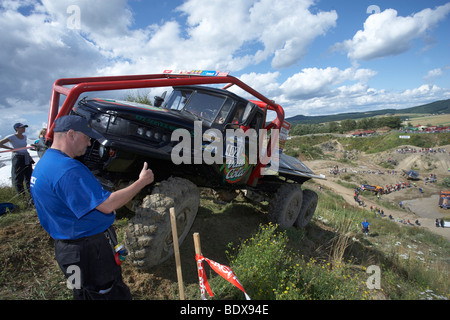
x: 101, y: 151
x: 152, y: 134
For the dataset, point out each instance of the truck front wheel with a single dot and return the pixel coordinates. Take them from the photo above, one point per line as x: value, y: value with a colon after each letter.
x: 149, y: 234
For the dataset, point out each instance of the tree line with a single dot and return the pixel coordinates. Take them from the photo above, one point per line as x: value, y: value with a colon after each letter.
x: 392, y: 122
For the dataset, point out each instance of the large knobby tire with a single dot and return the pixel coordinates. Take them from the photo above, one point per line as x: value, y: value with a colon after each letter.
x: 285, y: 205
x: 309, y: 205
x: 149, y: 235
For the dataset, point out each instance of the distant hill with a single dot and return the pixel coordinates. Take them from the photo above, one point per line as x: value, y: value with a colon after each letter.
x: 442, y: 106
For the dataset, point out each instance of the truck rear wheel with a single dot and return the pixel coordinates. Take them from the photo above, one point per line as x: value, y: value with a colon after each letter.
x: 309, y: 205
x: 285, y: 205
x: 149, y: 234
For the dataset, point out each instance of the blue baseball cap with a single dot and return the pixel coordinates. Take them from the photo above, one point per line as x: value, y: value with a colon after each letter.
x: 19, y: 125
x: 76, y: 123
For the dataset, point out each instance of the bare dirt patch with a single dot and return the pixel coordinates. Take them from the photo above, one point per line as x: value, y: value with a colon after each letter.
x: 366, y: 169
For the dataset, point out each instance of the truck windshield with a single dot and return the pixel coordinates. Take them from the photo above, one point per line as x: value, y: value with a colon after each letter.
x: 178, y: 99
x: 205, y: 106
x: 213, y: 108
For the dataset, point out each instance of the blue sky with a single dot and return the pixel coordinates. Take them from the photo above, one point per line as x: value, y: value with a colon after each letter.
x: 312, y: 57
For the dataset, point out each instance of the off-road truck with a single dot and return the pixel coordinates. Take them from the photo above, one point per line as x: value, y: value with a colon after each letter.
x: 196, y: 114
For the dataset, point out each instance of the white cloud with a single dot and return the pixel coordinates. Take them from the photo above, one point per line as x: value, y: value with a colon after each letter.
x: 387, y: 34
x: 315, y: 91
x: 39, y: 46
x: 287, y: 28
x: 221, y: 35
x: 425, y: 89
x: 217, y: 34
x: 315, y: 82
x: 360, y: 97
x: 435, y: 73
x: 36, y: 51
x: 98, y: 19
x: 266, y: 84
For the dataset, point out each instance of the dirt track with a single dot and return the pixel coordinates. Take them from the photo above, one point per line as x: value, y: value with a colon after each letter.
x: 421, y: 206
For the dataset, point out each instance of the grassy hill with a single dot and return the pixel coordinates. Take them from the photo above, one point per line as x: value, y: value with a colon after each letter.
x: 327, y: 260
x: 437, y: 107
x: 392, y: 140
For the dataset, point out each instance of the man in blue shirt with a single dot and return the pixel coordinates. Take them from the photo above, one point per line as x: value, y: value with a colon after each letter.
x: 365, y: 227
x: 78, y: 213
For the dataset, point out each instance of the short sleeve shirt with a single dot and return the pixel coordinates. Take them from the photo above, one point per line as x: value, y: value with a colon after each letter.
x: 66, y: 194
x: 18, y: 143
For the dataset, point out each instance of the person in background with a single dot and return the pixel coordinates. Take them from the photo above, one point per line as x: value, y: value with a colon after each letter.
x: 365, y: 227
x: 78, y: 213
x: 39, y: 144
x: 22, y: 163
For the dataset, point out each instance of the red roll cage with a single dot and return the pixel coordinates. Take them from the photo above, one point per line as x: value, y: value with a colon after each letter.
x: 72, y: 88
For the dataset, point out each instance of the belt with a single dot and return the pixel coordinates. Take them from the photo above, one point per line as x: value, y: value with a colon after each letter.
x: 119, y: 251
x: 87, y: 238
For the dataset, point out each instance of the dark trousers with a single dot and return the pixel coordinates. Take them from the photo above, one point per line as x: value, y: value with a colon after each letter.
x: 20, y: 173
x: 99, y: 277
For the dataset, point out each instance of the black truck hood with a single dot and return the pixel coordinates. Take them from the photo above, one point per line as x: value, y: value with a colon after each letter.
x: 120, y: 129
x: 166, y: 118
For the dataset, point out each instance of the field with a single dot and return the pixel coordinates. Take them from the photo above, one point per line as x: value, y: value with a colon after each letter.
x: 433, y: 120
x: 328, y: 260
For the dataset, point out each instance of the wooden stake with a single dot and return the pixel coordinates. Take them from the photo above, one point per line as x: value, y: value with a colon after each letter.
x: 177, y: 252
x: 198, y: 248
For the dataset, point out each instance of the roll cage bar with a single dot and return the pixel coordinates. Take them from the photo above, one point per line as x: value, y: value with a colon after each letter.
x: 87, y: 84
x: 72, y: 88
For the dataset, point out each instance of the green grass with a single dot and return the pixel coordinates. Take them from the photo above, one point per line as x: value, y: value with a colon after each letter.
x: 305, y: 144
x: 328, y: 260
x: 28, y: 269
x: 271, y: 264
x: 391, y: 140
x: 269, y: 270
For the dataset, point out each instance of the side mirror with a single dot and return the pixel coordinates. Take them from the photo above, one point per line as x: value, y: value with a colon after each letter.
x: 159, y: 99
